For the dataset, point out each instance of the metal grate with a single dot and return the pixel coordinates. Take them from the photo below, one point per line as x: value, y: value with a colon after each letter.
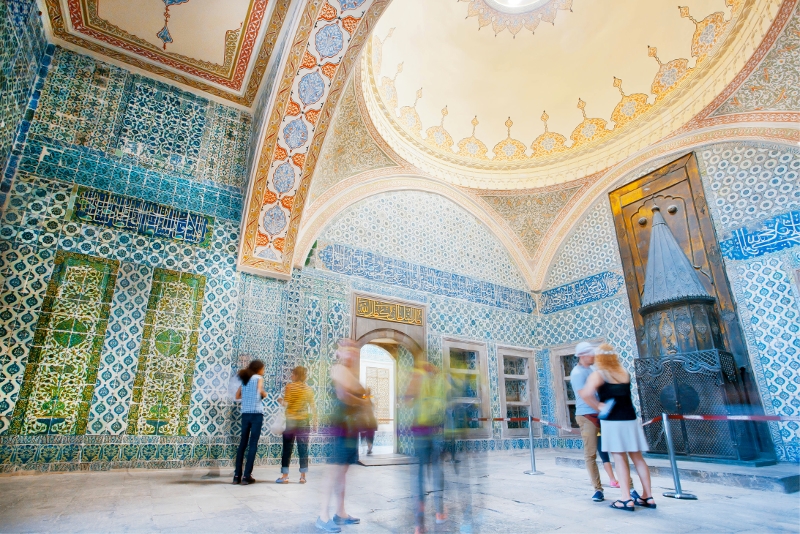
x: 702, y: 382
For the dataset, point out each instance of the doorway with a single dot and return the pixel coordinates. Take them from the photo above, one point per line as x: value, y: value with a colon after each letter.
x: 378, y: 373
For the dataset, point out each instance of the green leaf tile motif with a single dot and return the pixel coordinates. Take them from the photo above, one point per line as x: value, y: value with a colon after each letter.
x: 62, y: 368
x: 161, y: 392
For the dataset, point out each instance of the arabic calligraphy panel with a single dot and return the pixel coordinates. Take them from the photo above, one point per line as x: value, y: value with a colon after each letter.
x: 590, y: 289
x: 343, y: 259
x: 142, y: 217
x: 777, y: 234
x: 386, y: 311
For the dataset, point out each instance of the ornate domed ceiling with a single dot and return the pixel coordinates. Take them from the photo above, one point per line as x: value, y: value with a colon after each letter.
x: 219, y: 47
x: 524, y: 93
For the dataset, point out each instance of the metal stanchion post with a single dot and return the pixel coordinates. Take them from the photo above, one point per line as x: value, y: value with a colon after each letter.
x: 533, y: 470
x: 678, y: 493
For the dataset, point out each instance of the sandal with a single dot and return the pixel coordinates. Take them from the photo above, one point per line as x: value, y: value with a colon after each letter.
x: 646, y: 502
x: 282, y: 480
x: 624, y: 506
x: 302, y: 481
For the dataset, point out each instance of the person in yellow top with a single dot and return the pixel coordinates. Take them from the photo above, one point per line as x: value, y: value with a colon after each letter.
x: 428, y: 391
x: 298, y: 398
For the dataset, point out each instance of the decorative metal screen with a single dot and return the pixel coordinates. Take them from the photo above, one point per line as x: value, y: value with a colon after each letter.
x: 705, y: 383
x: 379, y: 383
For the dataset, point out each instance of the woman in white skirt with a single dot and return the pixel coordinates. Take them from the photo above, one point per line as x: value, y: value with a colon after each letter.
x: 622, y: 431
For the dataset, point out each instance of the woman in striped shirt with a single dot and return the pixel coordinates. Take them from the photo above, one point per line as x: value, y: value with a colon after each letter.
x: 298, y: 398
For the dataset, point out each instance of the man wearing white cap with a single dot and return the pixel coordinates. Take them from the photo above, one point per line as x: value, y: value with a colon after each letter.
x: 586, y: 416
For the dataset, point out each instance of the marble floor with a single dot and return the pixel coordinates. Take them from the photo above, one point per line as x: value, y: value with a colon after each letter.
x: 503, y: 500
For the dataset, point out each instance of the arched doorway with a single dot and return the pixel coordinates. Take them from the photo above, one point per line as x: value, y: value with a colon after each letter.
x: 378, y: 373
x: 391, y: 335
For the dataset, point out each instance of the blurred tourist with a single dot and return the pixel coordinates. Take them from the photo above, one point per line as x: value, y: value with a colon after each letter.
x: 428, y: 392
x: 372, y: 423
x: 349, y: 417
x: 298, y: 398
x: 250, y: 393
x: 621, y: 429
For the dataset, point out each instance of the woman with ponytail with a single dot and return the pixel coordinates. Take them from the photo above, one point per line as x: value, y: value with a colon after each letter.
x: 608, y: 390
x: 251, y: 392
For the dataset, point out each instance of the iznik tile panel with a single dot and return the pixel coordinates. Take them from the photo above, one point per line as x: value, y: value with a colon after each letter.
x: 162, y: 389
x: 62, y: 367
x: 749, y: 182
x: 22, y: 53
x: 155, y: 115
x: 590, y: 249
x: 771, y: 314
x: 426, y: 229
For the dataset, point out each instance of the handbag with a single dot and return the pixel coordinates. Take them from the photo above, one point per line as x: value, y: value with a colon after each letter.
x: 360, y: 419
x: 278, y: 424
x: 592, y: 417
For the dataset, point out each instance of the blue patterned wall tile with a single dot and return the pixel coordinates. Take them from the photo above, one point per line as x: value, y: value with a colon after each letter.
x: 112, y: 392
x: 425, y: 229
x: 24, y: 59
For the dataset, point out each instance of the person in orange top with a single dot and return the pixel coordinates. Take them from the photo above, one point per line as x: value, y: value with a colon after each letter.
x: 298, y: 398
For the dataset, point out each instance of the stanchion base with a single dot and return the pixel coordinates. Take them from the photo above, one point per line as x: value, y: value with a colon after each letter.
x: 683, y: 496
x: 533, y: 472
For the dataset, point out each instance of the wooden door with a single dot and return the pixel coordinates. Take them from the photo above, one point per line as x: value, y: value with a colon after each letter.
x: 677, y: 190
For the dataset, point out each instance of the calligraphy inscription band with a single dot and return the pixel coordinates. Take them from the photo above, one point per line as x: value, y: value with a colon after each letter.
x: 386, y: 311
x: 776, y: 234
x: 143, y: 217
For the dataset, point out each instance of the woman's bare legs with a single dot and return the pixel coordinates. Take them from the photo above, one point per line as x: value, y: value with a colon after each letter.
x: 342, y: 476
x: 624, y: 474
x: 331, y: 488
x: 644, y: 474
x: 610, y: 473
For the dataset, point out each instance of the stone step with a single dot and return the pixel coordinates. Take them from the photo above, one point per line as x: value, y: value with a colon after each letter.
x: 781, y: 478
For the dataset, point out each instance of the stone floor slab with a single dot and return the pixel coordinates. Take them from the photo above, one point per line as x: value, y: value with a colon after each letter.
x: 503, y: 500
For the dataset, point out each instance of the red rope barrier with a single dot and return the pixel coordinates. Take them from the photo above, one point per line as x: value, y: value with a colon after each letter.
x: 780, y: 418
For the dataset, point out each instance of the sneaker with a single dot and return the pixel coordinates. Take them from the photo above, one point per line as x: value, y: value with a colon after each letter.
x: 248, y: 480
x: 327, y: 526
x: 237, y: 480
x: 598, y: 496
x: 349, y: 520
x: 634, y: 495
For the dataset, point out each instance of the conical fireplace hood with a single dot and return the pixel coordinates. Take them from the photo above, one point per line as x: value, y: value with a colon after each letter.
x: 670, y: 277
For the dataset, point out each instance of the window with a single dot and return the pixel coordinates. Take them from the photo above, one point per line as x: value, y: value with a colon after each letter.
x: 563, y: 360
x: 465, y: 363
x: 518, y: 390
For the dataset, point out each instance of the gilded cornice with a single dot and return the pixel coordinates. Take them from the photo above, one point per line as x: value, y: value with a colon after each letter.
x: 244, y: 98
